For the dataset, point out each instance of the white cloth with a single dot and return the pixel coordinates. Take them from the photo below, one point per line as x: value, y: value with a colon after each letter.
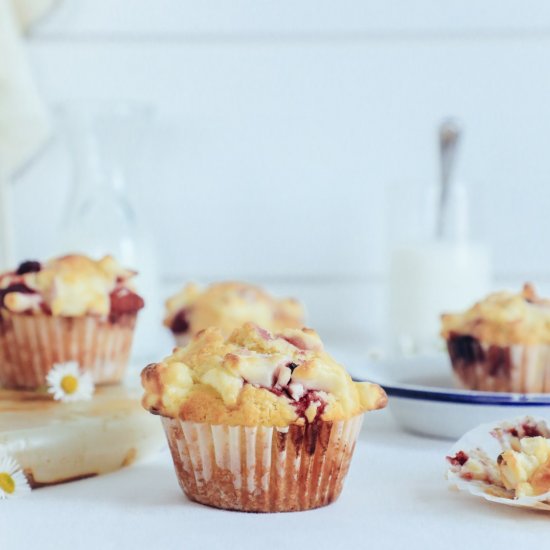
x: 24, y: 119
x: 395, y: 497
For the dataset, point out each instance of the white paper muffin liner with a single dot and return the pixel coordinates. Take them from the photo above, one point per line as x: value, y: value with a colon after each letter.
x: 262, y: 469
x: 516, y: 368
x: 30, y: 345
x: 488, y: 441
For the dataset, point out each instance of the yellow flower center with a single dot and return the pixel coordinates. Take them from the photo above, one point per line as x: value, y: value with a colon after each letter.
x: 7, y: 484
x: 69, y: 384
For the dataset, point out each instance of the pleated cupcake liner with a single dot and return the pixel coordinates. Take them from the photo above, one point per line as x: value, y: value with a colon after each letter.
x: 516, y: 368
x: 30, y: 345
x: 262, y: 469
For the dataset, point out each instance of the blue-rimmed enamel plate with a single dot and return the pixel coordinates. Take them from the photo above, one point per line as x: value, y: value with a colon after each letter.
x: 424, y: 399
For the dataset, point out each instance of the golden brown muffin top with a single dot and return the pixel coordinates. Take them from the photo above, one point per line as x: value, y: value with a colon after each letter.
x: 69, y: 286
x: 255, y: 378
x: 503, y: 318
x: 228, y: 305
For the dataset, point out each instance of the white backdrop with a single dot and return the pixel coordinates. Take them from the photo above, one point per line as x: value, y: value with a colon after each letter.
x: 280, y: 124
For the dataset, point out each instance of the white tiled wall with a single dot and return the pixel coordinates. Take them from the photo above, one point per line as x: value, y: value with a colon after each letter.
x: 281, y: 123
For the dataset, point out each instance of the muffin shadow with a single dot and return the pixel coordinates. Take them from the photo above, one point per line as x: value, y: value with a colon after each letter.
x: 147, y: 485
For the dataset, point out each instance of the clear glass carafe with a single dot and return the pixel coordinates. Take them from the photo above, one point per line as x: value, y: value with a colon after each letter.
x: 104, y: 139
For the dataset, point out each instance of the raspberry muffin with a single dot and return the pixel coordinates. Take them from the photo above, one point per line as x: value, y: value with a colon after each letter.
x: 256, y: 421
x: 70, y: 308
x: 227, y: 306
x: 502, y: 343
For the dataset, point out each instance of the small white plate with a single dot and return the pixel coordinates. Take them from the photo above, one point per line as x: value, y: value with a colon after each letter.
x: 424, y: 400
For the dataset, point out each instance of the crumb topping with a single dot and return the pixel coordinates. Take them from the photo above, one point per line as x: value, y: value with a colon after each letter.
x: 254, y: 377
x: 228, y: 305
x: 503, y: 318
x: 527, y: 471
x: 70, y: 286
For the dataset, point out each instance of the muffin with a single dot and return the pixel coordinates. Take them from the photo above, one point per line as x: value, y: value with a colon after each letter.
x: 507, y: 463
x: 70, y: 308
x: 502, y: 343
x: 256, y: 421
x: 227, y: 306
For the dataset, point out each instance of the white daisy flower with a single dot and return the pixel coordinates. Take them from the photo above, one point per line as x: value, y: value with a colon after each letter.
x: 13, y: 482
x: 67, y: 383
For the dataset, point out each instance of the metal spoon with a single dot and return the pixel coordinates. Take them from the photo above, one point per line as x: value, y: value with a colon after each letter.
x: 449, y: 134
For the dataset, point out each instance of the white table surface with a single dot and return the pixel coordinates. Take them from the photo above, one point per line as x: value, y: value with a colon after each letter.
x: 395, y: 497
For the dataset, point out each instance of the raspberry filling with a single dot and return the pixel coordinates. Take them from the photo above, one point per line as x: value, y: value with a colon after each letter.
x: 180, y: 323
x: 311, y: 396
x: 301, y: 405
x: 292, y: 366
x: 527, y: 430
x: 283, y: 386
x: 459, y: 459
x: 465, y: 349
x: 29, y: 266
x: 300, y: 398
x: 124, y: 301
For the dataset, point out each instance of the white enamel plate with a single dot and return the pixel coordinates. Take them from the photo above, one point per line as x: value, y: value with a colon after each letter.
x: 423, y: 398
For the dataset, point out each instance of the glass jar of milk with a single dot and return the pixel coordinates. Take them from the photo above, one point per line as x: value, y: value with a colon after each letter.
x: 105, y: 138
x: 431, y: 272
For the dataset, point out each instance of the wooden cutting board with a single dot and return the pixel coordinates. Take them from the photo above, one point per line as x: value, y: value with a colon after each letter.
x: 57, y: 442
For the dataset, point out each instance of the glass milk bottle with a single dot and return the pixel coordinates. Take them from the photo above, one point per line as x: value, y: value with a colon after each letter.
x: 435, y: 266
x: 100, y: 219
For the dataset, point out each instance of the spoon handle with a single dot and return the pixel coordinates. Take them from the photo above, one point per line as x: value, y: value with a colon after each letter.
x: 449, y: 134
